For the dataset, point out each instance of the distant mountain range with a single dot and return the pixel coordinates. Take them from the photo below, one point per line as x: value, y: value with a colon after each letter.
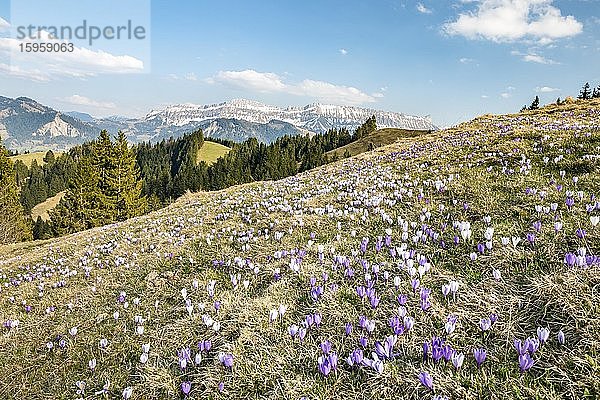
x: 28, y: 125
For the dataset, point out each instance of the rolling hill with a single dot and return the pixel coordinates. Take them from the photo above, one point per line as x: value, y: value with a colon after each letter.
x: 28, y: 158
x: 381, y: 137
x: 462, y: 264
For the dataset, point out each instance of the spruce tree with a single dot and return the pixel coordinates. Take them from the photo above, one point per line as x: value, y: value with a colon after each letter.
x: 585, y: 93
x: 535, y: 104
x: 13, y: 226
x: 103, y: 158
x: 596, y: 93
x: 82, y: 207
x: 125, y: 182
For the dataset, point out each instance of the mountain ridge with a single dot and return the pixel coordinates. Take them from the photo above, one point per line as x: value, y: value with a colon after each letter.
x: 26, y: 124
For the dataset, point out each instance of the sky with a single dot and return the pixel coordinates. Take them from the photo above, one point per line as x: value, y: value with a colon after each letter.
x: 450, y: 59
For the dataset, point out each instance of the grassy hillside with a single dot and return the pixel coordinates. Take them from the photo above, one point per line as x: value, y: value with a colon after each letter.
x: 379, y: 138
x: 42, y: 209
x: 459, y: 242
x: 27, y: 159
x: 211, y: 151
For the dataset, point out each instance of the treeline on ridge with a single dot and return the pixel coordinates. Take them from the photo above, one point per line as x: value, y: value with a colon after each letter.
x: 108, y: 180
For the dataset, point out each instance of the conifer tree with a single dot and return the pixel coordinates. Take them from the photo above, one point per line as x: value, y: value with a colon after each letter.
x: 125, y: 183
x: 82, y: 207
x: 585, y: 93
x: 535, y: 104
x: 13, y: 227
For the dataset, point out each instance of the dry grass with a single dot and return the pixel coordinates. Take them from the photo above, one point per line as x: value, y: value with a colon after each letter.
x: 28, y: 158
x: 42, y: 209
x: 209, y: 236
x: 379, y: 138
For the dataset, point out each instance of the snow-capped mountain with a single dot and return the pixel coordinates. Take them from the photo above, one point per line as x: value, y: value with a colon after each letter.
x: 313, y: 117
x: 28, y: 125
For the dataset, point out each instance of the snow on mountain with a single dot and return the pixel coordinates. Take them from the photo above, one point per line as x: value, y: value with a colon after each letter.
x: 28, y: 125
x: 313, y: 117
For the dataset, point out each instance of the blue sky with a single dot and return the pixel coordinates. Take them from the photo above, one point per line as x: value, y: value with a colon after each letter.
x: 451, y: 59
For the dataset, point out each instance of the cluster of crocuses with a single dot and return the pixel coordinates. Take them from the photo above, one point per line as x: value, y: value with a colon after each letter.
x: 328, y: 361
x: 527, y: 348
x: 310, y: 321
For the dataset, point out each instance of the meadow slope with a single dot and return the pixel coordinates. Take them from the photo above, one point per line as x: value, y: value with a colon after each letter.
x: 361, y: 279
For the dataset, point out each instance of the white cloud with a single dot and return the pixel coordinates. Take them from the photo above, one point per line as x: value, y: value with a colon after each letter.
x: 422, y: 9
x: 484, y: 96
x: 546, y: 89
x: 268, y: 82
x: 79, y: 63
x: 533, y: 57
x: 513, y: 20
x: 78, y: 100
x: 343, y: 52
x: 262, y: 82
x: 465, y: 60
x: 31, y: 74
x: 505, y: 95
x: 190, y: 76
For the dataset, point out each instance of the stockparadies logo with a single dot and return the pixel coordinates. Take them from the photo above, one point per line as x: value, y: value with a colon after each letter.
x: 85, y: 31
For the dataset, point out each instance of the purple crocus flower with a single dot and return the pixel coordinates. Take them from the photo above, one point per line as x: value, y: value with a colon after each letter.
x: 317, y: 318
x: 226, y: 359
x: 327, y: 363
x: 186, y: 387
x: 525, y: 362
x: 481, y: 248
x: 480, y: 355
x: 569, y: 202
x: 414, y: 284
x: 348, y: 328
x: 532, y: 345
x: 560, y: 337
x: 374, y: 301
x: 309, y: 320
x: 301, y: 333
x: 543, y: 334
x: 355, y: 358
x: 425, y: 350
x: 426, y: 380
x: 458, y: 359
x: 385, y: 350
x: 293, y: 330
x: 485, y: 324
x: 570, y: 259
x: 402, y: 299
x: 580, y: 233
x: 363, y: 341
x: 326, y: 347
